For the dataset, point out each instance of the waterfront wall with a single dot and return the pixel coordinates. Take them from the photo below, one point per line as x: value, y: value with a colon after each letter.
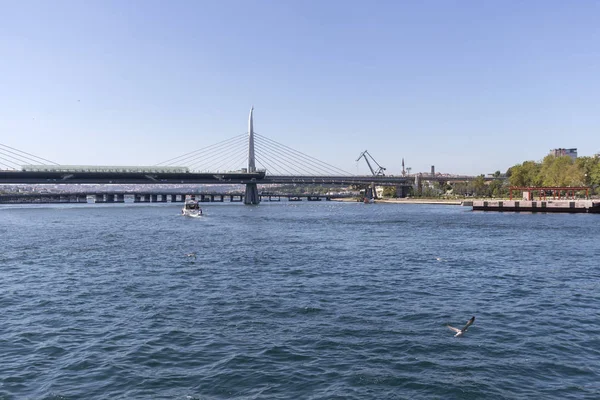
x: 561, y: 206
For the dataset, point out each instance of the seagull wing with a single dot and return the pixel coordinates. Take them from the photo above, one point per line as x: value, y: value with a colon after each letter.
x: 469, y: 323
x: 453, y: 328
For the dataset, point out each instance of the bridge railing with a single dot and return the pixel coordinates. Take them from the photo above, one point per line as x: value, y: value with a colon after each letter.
x: 103, y: 168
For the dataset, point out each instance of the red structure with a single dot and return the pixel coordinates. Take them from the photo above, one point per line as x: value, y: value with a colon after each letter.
x: 557, y: 191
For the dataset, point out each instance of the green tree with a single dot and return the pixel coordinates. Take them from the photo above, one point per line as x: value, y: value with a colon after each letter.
x: 594, y: 174
x: 462, y: 189
x: 526, y: 174
x: 496, y: 189
x: 389, y: 191
x: 560, y: 171
x: 479, y: 186
x: 588, y: 166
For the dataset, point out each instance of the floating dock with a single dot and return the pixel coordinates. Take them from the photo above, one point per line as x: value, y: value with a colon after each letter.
x: 546, y: 206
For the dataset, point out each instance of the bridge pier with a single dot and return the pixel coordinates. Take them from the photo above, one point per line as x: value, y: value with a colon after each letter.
x: 402, y: 191
x: 251, y: 197
x: 236, y: 198
x: 141, y: 198
x: 370, y: 192
x: 419, y: 184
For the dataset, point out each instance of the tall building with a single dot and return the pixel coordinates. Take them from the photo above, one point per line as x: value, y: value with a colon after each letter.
x: 564, y: 152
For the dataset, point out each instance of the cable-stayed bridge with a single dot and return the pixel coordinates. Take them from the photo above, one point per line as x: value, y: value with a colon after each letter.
x: 248, y: 159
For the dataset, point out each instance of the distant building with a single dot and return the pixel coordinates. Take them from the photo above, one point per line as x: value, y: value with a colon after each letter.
x: 564, y: 152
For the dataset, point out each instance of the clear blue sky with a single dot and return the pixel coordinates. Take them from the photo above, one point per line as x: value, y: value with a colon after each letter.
x: 471, y: 87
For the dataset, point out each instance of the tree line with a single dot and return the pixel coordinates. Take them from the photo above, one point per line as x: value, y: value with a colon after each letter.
x: 551, y: 171
x: 556, y: 171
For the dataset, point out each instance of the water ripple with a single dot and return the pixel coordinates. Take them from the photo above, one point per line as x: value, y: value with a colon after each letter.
x: 315, y: 301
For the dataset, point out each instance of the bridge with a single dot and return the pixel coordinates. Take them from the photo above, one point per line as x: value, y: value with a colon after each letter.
x: 236, y: 157
x: 146, y: 177
x: 156, y: 196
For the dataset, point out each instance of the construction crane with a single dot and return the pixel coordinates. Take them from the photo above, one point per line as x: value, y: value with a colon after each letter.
x: 380, y: 169
x: 371, y: 193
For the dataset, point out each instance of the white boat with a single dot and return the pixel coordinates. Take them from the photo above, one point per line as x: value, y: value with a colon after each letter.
x: 191, y: 208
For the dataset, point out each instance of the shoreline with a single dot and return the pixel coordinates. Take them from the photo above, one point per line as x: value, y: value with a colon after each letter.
x: 408, y: 201
x: 422, y: 201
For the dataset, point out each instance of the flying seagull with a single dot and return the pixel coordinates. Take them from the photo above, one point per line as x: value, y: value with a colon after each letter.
x: 460, y: 332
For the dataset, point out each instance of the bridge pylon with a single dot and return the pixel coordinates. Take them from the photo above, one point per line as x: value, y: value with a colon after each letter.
x: 251, y: 197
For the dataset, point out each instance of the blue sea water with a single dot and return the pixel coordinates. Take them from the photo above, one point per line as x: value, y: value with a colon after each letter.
x: 297, y: 301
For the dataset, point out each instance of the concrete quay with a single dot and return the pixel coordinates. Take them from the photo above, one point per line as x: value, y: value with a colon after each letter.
x: 545, y: 206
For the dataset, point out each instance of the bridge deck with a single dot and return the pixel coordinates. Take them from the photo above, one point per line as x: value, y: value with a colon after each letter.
x: 49, y: 177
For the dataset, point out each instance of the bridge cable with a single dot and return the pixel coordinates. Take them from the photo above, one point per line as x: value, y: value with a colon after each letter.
x: 17, y: 160
x: 243, y: 160
x: 197, y: 153
x: 272, y: 170
x: 222, y: 154
x: 198, y: 159
x: 227, y: 160
x: 275, y: 170
x: 305, y: 156
x: 265, y: 165
x: 310, y: 167
x: 269, y: 167
x: 204, y: 149
x: 260, y: 146
x: 9, y: 161
x: 268, y: 147
x: 211, y: 164
x: 230, y: 165
x: 276, y: 155
x: 36, y: 158
x: 201, y: 157
x: 293, y: 157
